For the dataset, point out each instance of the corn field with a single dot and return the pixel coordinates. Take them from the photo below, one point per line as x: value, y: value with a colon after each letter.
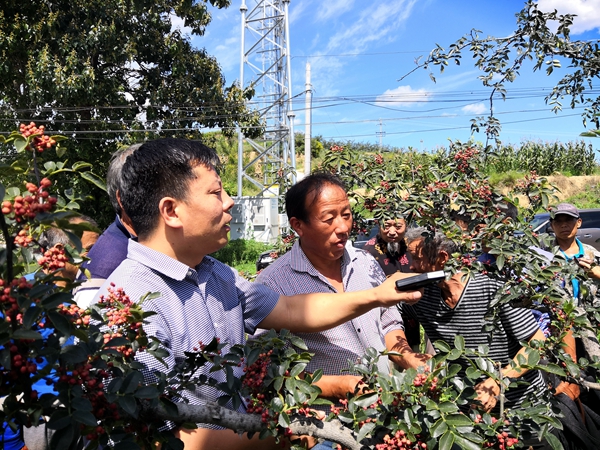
x: 573, y: 158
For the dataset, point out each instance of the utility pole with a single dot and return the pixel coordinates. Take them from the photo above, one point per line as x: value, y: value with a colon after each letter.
x: 380, y: 133
x: 307, y: 121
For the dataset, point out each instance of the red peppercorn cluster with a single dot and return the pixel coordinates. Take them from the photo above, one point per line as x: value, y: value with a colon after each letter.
x: 23, y: 238
x: 92, y: 381
x: 120, y: 321
x: 75, y: 314
x: 40, y: 141
x: 53, y: 259
x: 462, y: 158
x: 23, y: 209
x: 8, y: 302
x: 253, y: 380
x: 400, y: 441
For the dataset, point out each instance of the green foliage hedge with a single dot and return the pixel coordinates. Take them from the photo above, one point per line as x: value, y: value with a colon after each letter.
x: 241, y: 251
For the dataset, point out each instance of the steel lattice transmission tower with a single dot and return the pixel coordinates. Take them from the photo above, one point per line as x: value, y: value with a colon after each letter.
x: 265, y: 64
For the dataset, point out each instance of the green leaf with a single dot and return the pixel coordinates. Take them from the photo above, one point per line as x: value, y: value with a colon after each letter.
x: 554, y: 441
x: 553, y: 368
x: 147, y: 392
x: 13, y: 191
x: 447, y: 407
x: 50, y: 167
x: 298, y: 342
x: 86, y: 418
x: 89, y: 176
x: 58, y: 298
x: 473, y: 373
x: 366, y: 400
x: 20, y: 143
x: 442, y: 346
x: 459, y: 343
x: 31, y: 315
x: 297, y: 369
x: 438, y: 428
x: 458, y: 420
x: 466, y: 444
x: 454, y: 354
x: 290, y: 384
x: 63, y: 438
x: 500, y: 259
x: 366, y: 429
x: 446, y: 441
x: 453, y: 370
x: 73, y: 354
x: 59, y: 419
x: 131, y: 382
x: 26, y: 334
x: 284, y: 420
x: 60, y: 322
x: 81, y: 165
x: 81, y: 404
x: 128, y: 403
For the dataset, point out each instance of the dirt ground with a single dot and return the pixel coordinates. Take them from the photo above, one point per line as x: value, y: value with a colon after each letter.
x: 567, y: 186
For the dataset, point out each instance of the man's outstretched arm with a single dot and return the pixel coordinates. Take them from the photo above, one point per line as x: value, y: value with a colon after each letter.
x: 318, y: 312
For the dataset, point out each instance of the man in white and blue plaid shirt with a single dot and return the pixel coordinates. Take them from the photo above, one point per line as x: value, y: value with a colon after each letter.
x: 323, y: 260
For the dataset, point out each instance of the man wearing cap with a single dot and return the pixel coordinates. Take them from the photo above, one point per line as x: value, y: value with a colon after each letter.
x: 565, y: 221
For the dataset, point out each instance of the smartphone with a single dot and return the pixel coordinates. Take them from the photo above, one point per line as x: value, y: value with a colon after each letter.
x: 420, y: 280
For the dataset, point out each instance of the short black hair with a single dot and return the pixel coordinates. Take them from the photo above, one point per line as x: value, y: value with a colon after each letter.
x: 157, y: 169
x: 295, y: 197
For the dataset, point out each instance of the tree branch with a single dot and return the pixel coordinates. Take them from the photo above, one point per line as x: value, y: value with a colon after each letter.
x: 241, y: 423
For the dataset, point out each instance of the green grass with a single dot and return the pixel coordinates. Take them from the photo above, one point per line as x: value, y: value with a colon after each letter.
x: 587, y: 199
x: 505, y: 178
x: 241, y: 254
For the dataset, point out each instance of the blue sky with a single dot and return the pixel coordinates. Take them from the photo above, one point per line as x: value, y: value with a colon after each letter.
x: 358, y: 51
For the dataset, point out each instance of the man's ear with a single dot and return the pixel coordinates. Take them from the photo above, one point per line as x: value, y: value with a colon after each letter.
x: 167, y: 208
x: 296, y: 225
x: 441, y: 260
x: 579, y: 222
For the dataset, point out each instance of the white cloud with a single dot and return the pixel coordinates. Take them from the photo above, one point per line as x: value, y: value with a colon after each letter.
x: 474, y: 108
x: 228, y: 53
x: 177, y: 23
x: 372, y: 25
x: 297, y: 9
x: 331, y: 8
x: 588, y: 12
x: 402, y: 96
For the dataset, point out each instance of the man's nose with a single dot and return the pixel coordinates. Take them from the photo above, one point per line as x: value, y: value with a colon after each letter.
x: 343, y: 227
x: 227, y: 202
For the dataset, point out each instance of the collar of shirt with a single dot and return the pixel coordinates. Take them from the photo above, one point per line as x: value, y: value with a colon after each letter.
x: 580, y: 253
x: 300, y: 263
x: 167, y: 266
x: 122, y: 228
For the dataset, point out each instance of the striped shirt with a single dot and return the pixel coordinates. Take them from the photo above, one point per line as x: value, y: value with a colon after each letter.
x: 195, y: 305
x: 467, y: 319
x: 294, y: 274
